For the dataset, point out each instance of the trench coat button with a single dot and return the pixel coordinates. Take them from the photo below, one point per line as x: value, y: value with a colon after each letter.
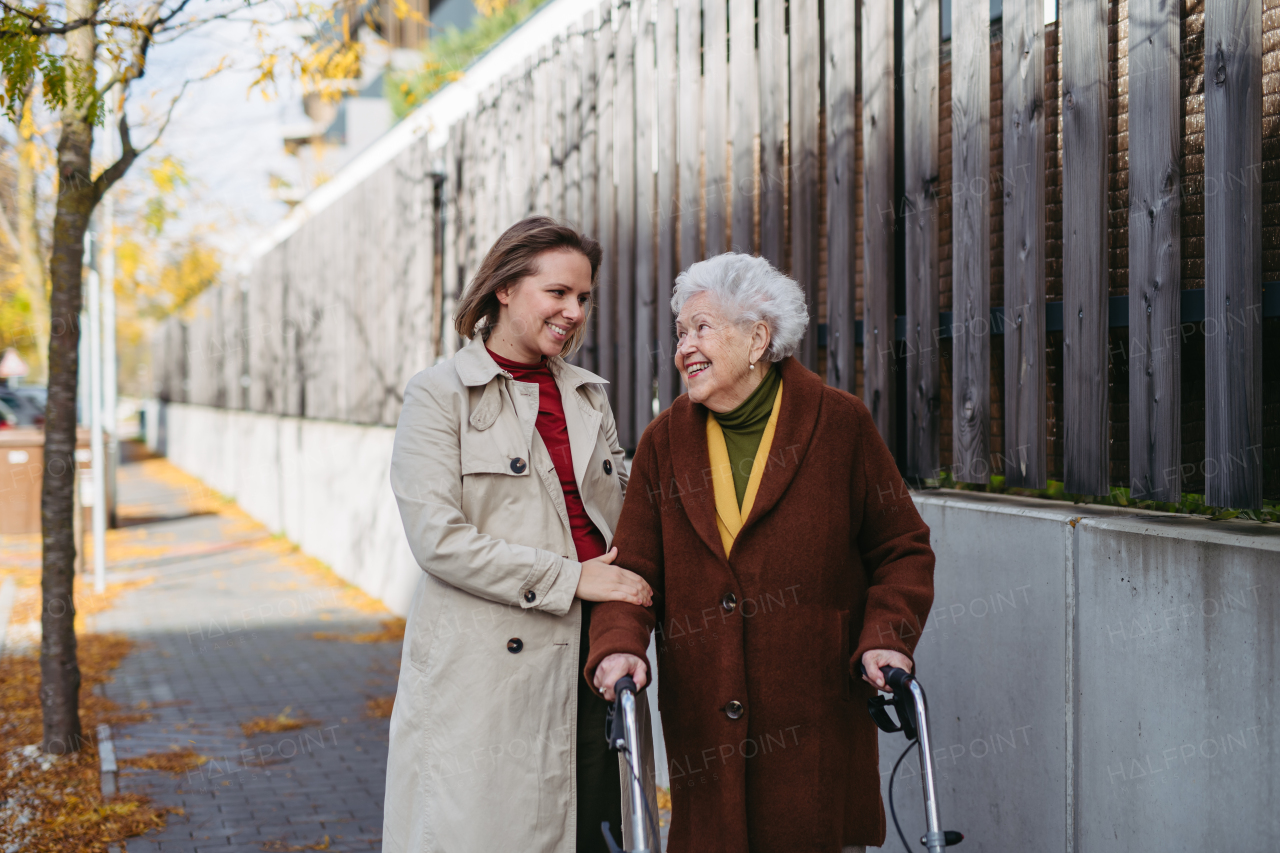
x: 518, y: 465
x: 608, y: 467
x: 733, y: 710
x: 729, y: 602
x: 530, y: 596
x: 514, y: 645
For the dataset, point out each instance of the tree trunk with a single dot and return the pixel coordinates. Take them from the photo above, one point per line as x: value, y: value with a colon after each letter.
x: 35, y: 275
x: 59, y: 671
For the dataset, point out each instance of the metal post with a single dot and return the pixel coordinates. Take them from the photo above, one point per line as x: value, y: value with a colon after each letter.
x: 109, y: 381
x: 108, y: 264
x: 95, y: 433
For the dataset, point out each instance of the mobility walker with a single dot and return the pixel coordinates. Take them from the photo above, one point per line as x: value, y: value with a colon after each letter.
x: 913, y: 721
x: 640, y: 820
x: 630, y: 734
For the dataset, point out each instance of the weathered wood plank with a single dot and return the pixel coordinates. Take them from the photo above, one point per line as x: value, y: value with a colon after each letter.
x: 645, y: 216
x: 920, y: 24
x: 607, y: 208
x: 1024, y: 219
x: 744, y: 122
x: 1155, y: 210
x: 715, y: 108
x: 572, y: 53
x: 590, y: 164
x: 529, y: 160
x: 625, y: 143
x: 508, y: 133
x: 556, y: 81
x: 841, y: 83
x: 542, y: 131
x: 1084, y: 239
x: 878, y: 216
x: 971, y: 240
x: 489, y: 164
x: 668, y: 221
x: 773, y: 129
x: 1233, y: 252
x: 690, y: 131
x: 806, y: 71
x: 471, y: 199
x: 449, y: 261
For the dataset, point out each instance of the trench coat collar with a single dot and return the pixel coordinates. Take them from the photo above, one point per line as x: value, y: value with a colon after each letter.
x: 476, y: 367
x: 691, y: 462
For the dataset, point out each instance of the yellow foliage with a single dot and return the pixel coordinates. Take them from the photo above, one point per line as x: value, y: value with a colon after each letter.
x: 168, y: 175
x: 162, y: 286
x: 404, y: 12
x: 489, y: 8
x: 281, y: 722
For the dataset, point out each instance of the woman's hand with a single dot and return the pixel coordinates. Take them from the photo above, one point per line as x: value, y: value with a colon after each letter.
x: 873, y: 659
x: 603, y: 581
x: 617, y: 665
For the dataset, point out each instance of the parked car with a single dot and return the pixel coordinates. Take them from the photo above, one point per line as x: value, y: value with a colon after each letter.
x: 8, y: 417
x: 26, y: 403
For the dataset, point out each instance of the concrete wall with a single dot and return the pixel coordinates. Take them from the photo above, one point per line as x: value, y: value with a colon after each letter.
x: 1098, y: 680
x: 322, y: 484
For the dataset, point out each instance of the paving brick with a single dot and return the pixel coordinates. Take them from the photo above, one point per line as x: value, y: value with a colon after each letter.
x: 227, y: 637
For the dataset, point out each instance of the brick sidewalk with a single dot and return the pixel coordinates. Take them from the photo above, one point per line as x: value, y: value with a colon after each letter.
x: 225, y: 623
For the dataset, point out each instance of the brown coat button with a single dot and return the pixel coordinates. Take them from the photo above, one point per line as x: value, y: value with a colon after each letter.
x: 729, y: 602
x: 514, y: 645
x: 733, y: 710
x: 530, y: 596
x: 518, y: 465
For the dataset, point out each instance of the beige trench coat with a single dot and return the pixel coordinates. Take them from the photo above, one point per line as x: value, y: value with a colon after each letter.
x: 482, y: 749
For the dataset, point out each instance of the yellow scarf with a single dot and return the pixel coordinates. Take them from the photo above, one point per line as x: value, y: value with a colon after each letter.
x: 729, y: 518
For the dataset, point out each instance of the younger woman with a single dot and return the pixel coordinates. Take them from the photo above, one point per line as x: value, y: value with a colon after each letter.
x: 510, y: 479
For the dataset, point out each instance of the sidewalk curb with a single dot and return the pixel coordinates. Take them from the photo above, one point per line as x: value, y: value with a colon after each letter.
x: 107, y: 760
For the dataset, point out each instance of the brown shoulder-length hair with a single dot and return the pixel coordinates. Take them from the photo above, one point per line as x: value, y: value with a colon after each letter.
x: 513, y: 257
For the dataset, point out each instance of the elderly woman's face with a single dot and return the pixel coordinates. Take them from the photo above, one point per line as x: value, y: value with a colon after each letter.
x: 714, y: 354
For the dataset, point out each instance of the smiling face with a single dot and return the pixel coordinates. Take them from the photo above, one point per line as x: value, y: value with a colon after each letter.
x: 714, y: 354
x: 540, y: 312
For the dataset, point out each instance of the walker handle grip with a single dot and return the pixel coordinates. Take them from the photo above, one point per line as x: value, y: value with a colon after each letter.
x: 894, y: 677
x: 624, y: 683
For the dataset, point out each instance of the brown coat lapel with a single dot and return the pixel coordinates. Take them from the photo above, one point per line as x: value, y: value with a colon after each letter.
x: 801, y: 401
x: 691, y: 469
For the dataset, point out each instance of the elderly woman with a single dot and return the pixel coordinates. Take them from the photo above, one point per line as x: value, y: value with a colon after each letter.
x: 782, y: 548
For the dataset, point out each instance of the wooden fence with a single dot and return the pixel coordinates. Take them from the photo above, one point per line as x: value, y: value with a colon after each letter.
x: 1034, y: 250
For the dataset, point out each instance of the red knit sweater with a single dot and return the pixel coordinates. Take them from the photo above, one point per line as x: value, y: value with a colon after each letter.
x: 551, y: 425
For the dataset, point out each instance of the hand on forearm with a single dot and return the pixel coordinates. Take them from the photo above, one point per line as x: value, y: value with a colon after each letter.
x: 603, y: 581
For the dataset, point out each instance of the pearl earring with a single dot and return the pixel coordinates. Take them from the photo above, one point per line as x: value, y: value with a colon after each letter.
x: 753, y: 367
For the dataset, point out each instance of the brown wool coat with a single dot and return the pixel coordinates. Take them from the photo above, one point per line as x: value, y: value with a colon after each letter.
x: 833, y: 561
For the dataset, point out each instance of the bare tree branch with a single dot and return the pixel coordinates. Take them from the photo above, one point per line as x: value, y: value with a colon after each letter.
x: 128, y: 154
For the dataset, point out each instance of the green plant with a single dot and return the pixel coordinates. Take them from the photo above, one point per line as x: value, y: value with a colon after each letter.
x: 1189, y: 504
x: 448, y: 53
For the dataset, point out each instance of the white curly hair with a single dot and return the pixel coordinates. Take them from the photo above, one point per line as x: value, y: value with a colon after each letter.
x: 749, y: 290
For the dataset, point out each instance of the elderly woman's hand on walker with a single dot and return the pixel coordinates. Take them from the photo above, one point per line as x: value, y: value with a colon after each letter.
x: 603, y: 581
x: 873, y: 659
x: 617, y: 665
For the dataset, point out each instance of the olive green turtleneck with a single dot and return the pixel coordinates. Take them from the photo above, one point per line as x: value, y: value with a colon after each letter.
x: 744, y: 427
